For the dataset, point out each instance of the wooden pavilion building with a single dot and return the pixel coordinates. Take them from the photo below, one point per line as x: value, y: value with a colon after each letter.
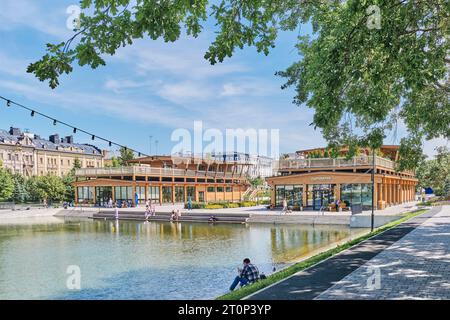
x: 312, y: 179
x: 163, y: 179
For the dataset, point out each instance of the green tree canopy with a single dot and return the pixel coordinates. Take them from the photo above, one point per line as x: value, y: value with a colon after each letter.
x: 20, y: 192
x: 435, y: 173
x: 114, y: 162
x: 125, y: 155
x: 364, y: 70
x: 47, y: 187
x: 6, y: 184
x: 258, y: 181
x: 68, y: 179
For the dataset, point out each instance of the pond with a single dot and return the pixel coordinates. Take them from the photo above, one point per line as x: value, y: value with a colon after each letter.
x: 151, y: 260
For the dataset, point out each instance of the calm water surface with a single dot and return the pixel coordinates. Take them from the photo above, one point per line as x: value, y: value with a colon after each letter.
x: 135, y: 260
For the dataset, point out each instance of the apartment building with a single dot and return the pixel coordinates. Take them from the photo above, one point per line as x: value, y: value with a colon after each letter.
x: 29, y: 154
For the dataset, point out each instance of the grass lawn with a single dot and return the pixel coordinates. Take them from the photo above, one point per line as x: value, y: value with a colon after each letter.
x: 282, y: 274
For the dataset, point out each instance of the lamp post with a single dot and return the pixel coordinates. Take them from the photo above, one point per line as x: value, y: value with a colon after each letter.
x: 373, y: 190
x: 150, y: 145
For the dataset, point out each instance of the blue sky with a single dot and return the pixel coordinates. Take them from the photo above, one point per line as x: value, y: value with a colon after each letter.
x: 150, y: 88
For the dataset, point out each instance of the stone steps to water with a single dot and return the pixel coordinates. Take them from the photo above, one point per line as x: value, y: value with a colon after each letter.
x: 165, y: 216
x: 193, y: 216
x: 299, y: 219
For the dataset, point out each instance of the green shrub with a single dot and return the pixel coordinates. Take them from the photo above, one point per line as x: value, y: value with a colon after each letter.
x: 247, y: 203
x: 213, y: 206
x: 196, y: 205
x: 221, y: 204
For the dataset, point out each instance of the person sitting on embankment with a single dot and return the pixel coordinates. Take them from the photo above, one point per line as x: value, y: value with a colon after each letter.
x: 247, y: 275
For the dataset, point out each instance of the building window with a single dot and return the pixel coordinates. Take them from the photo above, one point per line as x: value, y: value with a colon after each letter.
x: 211, y: 189
x: 167, y: 194
x: 85, y: 194
x: 292, y: 194
x: 229, y: 189
x: 153, y: 193
x: 141, y: 194
x: 219, y: 189
x: 179, y: 194
x: 123, y: 194
x: 357, y: 193
x: 103, y: 194
x: 190, y: 193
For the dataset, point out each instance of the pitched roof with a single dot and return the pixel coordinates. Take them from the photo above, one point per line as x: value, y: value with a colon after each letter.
x: 43, y: 144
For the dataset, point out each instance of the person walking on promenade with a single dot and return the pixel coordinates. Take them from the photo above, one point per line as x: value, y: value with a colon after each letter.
x: 116, y: 213
x: 247, y: 275
x: 285, y: 206
x: 110, y: 203
x: 152, y: 208
x: 147, y: 212
x: 189, y: 203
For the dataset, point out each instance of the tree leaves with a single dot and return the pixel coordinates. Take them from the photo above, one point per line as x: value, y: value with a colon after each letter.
x: 361, y: 81
x: 52, y: 65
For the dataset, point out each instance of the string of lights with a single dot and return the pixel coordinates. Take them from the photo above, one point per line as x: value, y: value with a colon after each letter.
x: 75, y: 129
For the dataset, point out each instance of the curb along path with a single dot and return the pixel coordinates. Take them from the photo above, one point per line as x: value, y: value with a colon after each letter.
x: 310, y: 283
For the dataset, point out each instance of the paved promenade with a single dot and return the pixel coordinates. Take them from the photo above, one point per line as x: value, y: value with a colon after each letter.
x: 413, y: 259
x: 415, y: 267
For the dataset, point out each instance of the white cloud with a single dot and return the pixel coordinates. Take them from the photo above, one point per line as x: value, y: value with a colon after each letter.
x: 429, y: 147
x: 119, y: 107
x: 13, y: 66
x: 184, y: 92
x: 230, y: 89
x: 250, y: 86
x: 43, y: 17
x: 184, y: 59
x: 119, y: 86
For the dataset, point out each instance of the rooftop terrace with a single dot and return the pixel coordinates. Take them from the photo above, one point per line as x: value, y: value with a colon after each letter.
x: 362, y: 161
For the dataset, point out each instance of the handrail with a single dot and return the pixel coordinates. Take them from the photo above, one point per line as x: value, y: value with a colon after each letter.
x: 334, y: 162
x: 137, y: 170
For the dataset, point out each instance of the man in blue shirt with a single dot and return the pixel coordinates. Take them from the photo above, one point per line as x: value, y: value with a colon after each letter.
x: 247, y: 275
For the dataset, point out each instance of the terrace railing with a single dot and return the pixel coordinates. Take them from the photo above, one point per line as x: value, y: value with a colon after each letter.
x: 334, y: 163
x: 149, y: 171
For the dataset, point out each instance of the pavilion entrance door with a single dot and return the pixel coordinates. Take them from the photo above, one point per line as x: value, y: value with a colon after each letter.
x: 322, y: 195
x: 103, y: 195
x: 318, y: 199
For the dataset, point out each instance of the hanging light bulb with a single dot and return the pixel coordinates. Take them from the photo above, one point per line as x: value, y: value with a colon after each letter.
x: 110, y: 143
x: 93, y: 137
x: 139, y: 154
x: 32, y: 113
x: 74, y: 130
x: 54, y: 122
x: 8, y: 103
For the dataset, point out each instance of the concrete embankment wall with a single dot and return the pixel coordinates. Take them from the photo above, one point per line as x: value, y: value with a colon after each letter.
x: 355, y: 221
x: 76, y: 213
x: 364, y: 221
x: 298, y: 219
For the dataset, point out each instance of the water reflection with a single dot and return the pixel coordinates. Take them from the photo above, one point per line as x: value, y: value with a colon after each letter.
x: 151, y: 260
